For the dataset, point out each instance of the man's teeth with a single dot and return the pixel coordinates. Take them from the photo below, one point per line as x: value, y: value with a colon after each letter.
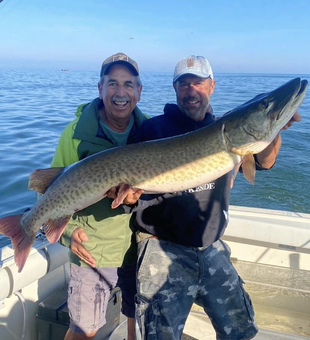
x: 120, y: 103
x: 192, y: 101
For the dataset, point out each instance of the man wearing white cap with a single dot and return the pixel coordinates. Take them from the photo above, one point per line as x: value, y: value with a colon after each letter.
x: 181, y: 258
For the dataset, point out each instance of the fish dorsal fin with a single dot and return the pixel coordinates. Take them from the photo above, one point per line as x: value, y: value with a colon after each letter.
x: 41, y: 179
x: 248, y: 168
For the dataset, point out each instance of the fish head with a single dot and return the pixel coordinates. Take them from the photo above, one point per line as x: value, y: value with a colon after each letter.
x: 250, y: 128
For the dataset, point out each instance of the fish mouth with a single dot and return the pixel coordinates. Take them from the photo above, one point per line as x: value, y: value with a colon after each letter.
x: 302, y: 89
x: 296, y: 98
x: 286, y: 99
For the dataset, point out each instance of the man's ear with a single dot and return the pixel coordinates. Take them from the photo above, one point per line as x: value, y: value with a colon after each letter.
x: 100, y: 90
x: 212, y: 86
x: 139, y: 92
x: 175, y: 86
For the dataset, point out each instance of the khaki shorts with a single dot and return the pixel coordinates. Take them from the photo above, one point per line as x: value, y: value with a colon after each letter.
x: 88, y: 296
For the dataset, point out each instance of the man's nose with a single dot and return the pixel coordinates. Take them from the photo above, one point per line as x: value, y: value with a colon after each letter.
x: 121, y: 91
x: 191, y: 90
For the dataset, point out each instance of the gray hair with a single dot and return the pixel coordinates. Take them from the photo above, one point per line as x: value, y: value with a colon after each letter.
x: 139, y: 82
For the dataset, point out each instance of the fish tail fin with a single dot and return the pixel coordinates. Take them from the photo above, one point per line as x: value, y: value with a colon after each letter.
x: 10, y: 226
x: 55, y: 228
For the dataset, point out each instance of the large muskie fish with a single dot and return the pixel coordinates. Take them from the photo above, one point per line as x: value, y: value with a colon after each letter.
x: 166, y: 165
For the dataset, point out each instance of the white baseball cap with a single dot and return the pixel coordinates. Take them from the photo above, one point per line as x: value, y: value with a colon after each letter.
x: 196, y: 65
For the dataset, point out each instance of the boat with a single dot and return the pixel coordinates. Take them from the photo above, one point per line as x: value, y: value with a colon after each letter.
x: 270, y: 249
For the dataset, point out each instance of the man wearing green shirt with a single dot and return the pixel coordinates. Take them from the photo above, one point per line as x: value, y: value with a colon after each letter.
x: 109, y: 121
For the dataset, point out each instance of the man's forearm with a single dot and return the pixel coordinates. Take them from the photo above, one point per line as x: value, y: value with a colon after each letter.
x: 267, y: 157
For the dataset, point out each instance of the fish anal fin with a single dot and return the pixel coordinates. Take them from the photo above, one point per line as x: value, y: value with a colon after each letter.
x: 55, y: 228
x: 248, y: 168
x: 41, y: 179
x: 10, y: 226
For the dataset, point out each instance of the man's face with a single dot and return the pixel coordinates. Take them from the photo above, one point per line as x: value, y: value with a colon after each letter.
x: 193, y: 95
x: 119, y: 92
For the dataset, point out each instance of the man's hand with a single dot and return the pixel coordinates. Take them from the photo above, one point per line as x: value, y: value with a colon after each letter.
x: 131, y: 196
x: 296, y: 118
x: 78, y: 237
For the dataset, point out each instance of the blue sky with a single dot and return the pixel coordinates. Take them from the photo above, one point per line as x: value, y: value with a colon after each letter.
x: 252, y: 36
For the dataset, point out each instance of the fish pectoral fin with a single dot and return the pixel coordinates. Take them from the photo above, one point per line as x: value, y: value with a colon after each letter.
x: 55, y: 228
x: 122, y: 192
x: 236, y: 169
x: 248, y: 168
x: 41, y: 179
x: 22, y: 243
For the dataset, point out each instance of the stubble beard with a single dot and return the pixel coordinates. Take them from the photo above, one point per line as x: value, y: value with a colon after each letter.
x: 198, y: 114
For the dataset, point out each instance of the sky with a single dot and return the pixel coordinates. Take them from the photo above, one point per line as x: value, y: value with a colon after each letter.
x: 236, y: 36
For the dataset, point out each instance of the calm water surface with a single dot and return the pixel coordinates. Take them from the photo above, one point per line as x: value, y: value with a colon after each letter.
x: 35, y: 107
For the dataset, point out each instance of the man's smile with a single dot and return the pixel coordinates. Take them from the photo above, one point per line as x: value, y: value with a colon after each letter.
x: 120, y: 104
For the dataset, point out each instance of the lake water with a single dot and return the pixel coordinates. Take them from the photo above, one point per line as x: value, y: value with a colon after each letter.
x: 36, y: 105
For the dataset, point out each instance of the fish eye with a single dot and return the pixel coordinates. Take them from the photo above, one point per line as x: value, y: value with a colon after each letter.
x: 265, y: 104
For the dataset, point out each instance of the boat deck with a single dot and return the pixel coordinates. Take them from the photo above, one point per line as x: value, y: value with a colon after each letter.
x: 274, y: 324
x: 198, y: 327
x: 281, y: 299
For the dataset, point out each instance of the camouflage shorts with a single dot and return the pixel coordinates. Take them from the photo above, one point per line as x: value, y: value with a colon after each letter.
x: 172, y: 277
